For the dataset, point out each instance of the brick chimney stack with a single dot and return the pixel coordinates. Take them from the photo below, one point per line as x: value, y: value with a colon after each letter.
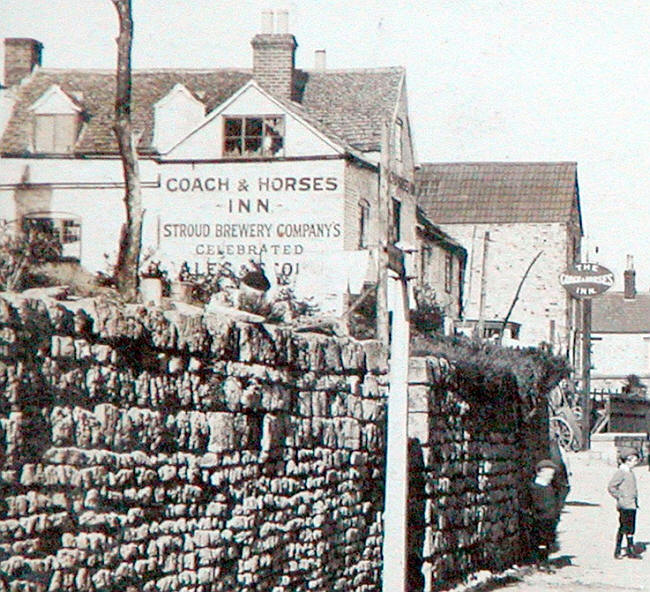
x: 22, y: 55
x: 274, y: 55
x: 629, y: 279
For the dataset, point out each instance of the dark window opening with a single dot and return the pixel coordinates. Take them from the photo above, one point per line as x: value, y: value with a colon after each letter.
x: 253, y: 136
x: 56, y: 237
x: 397, y: 221
x: 364, y: 222
x: 425, y: 262
x: 449, y: 267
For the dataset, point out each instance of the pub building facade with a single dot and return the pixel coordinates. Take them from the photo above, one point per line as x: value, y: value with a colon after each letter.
x: 275, y: 164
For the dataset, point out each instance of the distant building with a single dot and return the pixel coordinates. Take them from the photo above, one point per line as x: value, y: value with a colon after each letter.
x: 275, y: 164
x: 505, y: 214
x: 620, y: 335
x: 441, y: 266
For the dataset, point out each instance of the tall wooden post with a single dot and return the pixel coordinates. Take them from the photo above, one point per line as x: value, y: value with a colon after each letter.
x: 586, y: 373
x: 480, y: 326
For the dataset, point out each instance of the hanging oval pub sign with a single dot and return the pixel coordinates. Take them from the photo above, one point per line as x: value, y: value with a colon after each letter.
x: 584, y: 280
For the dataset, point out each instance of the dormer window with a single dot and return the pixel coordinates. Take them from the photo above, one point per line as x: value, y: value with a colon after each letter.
x: 175, y: 116
x: 253, y: 136
x: 55, y: 132
x: 57, y: 120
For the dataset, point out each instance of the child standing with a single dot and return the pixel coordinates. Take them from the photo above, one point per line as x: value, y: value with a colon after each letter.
x: 545, y: 509
x: 622, y: 487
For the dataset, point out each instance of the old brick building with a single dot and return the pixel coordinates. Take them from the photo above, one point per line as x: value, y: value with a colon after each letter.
x: 505, y: 215
x: 274, y: 164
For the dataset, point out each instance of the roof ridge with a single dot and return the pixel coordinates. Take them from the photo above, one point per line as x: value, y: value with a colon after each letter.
x: 142, y: 70
x: 354, y: 70
x: 497, y: 162
x: 382, y: 69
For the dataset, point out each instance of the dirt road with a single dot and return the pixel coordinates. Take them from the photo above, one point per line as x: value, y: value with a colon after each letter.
x: 587, y: 531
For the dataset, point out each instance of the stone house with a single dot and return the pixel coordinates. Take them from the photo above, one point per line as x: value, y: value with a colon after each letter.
x: 273, y: 164
x: 441, y: 267
x: 505, y: 215
x: 620, y: 335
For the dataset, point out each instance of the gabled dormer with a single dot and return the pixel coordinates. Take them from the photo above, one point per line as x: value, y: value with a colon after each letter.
x: 57, y: 121
x: 175, y: 115
x: 253, y: 124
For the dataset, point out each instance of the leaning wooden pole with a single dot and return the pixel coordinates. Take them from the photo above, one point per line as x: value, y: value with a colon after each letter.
x: 128, y: 259
x: 383, y: 199
x: 504, y: 324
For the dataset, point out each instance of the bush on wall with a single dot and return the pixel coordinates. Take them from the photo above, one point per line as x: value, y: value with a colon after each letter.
x: 537, y: 370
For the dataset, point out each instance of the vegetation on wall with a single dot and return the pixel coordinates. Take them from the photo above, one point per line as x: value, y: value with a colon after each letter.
x: 428, y: 316
x: 21, y: 250
x: 481, y: 366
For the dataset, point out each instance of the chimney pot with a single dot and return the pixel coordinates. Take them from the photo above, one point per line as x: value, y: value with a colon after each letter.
x: 282, y: 22
x: 320, y: 58
x: 267, y: 22
x: 629, y: 280
x: 274, y: 59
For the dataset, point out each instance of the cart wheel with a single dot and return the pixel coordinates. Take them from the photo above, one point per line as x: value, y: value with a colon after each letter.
x: 562, y: 431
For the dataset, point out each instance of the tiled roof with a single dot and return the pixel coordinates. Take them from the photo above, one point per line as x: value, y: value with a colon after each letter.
x: 497, y: 192
x: 352, y: 103
x: 612, y: 313
x: 435, y: 233
x: 349, y: 104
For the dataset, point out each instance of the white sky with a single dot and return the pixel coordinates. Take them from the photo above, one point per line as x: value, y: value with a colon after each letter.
x: 501, y: 80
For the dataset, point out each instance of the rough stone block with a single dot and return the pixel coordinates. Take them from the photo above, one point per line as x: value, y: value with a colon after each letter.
x: 221, y: 429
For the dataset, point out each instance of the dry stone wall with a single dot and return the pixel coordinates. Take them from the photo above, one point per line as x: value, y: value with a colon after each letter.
x: 165, y: 451
x: 471, y: 456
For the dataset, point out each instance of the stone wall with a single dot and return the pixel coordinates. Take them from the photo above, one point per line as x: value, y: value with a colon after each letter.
x: 472, y: 448
x: 175, y: 451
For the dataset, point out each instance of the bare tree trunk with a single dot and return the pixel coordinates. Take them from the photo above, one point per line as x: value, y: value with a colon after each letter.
x: 128, y: 259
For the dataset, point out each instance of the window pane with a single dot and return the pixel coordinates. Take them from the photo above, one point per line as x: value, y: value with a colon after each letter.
x: 232, y: 147
x: 44, y: 133
x: 253, y: 126
x: 233, y: 127
x: 65, y: 133
x: 253, y: 145
x: 71, y: 231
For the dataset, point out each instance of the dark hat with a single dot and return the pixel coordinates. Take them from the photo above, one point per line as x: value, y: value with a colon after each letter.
x: 627, y: 451
x: 546, y: 463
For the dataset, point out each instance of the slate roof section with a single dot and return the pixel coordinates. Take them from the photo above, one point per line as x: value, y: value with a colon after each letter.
x: 347, y: 105
x: 612, y: 313
x: 436, y: 234
x: 497, y: 192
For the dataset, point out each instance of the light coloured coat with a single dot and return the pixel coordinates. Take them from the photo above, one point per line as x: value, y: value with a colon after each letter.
x: 622, y: 486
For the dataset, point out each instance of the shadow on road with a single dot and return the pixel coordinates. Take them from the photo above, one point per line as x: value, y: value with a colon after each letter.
x: 561, y: 561
x: 579, y: 503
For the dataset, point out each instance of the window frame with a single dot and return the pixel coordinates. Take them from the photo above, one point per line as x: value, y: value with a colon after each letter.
x: 60, y: 225
x: 247, y: 135
x: 62, y: 133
